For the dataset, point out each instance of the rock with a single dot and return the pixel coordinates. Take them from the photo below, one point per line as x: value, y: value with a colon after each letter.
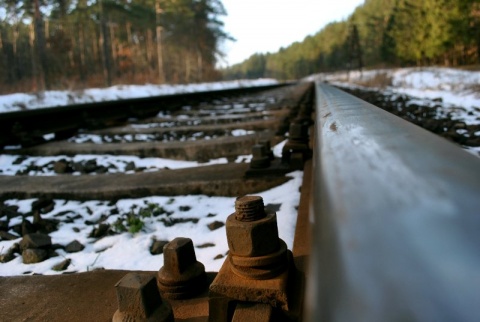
x: 63, y: 265
x: 130, y: 166
x: 459, y: 126
x: 10, y: 254
x: 184, y: 208
x: 35, y: 240
x: 3, y: 225
x: 31, y: 256
x: 206, y: 245
x: 47, y: 225
x: 211, y: 215
x: 74, y: 246
x: 51, y: 253
x: 78, y: 167
x: 157, y: 247
x: 9, y: 211
x: 17, y: 229
x: 215, y: 225
x: 102, y: 169
x: 44, y: 205
x: 219, y: 256
x: 19, y: 160
x: 37, y: 218
x: 4, y: 235
x: 27, y: 227
x: 100, y: 231
x: 90, y: 166
x: 61, y: 167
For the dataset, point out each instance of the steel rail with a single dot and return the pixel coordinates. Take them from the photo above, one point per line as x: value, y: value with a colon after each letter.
x: 28, y: 127
x: 396, y: 219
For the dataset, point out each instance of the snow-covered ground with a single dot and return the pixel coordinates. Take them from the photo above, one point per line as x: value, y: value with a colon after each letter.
x: 453, y: 87
x: 457, y: 92
x: 25, y: 101
x: 130, y: 251
x: 187, y: 216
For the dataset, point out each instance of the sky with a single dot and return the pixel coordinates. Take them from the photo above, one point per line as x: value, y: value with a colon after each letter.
x: 266, y: 25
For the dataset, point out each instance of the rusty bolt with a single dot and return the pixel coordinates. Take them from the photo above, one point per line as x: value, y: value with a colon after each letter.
x: 260, y: 157
x: 298, y: 132
x: 250, y: 230
x: 139, y: 300
x: 266, y: 144
x: 249, y: 208
x: 181, y: 276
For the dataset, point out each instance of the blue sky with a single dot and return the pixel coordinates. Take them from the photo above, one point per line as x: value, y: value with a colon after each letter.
x: 266, y: 25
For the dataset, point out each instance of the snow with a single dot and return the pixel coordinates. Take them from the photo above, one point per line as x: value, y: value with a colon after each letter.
x: 11, y: 164
x: 23, y: 101
x: 456, y: 91
x: 127, y: 250
x: 453, y: 86
x: 130, y: 251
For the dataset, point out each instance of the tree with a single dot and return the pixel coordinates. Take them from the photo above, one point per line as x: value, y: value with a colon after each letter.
x: 418, y: 30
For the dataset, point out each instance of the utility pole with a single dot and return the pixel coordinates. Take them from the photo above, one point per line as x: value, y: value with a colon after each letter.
x: 161, y: 72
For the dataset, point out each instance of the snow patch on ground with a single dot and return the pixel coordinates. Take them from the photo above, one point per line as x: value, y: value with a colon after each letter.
x: 452, y: 86
x: 130, y: 251
x: 24, y: 101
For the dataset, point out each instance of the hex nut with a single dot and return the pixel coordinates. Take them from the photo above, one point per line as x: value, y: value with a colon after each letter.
x: 260, y: 157
x: 182, y: 275
x: 139, y: 300
x: 253, y: 238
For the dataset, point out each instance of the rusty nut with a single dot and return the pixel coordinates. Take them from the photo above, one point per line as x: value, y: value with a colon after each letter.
x: 252, y: 238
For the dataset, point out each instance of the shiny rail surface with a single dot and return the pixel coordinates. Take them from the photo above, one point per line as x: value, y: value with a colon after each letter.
x: 396, y: 214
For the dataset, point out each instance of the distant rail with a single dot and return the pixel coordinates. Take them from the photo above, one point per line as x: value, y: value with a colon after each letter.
x: 396, y: 214
x: 28, y: 127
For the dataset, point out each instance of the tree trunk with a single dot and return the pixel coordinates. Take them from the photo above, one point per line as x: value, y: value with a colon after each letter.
x: 161, y: 72
x: 81, y: 50
x: 107, y: 60
x: 149, y: 46
x: 33, y: 57
x: 113, y: 46
x: 199, y: 66
x: 40, y: 48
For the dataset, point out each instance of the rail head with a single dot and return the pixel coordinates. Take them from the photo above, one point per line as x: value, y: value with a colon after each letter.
x: 396, y: 213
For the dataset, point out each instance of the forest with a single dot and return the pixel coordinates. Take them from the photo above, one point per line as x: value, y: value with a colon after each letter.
x: 379, y: 33
x: 74, y: 44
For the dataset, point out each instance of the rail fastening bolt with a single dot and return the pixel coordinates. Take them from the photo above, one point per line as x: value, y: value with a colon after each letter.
x: 266, y: 144
x: 251, y: 231
x: 260, y: 157
x: 139, y: 300
x: 249, y: 208
x: 298, y: 132
x: 255, y: 251
x: 181, y: 276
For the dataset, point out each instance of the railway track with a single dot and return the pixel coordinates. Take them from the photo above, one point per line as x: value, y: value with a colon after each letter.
x: 208, y: 139
x: 29, y: 128
x: 386, y: 224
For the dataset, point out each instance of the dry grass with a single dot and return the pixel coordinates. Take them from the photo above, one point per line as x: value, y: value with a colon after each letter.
x: 380, y: 80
